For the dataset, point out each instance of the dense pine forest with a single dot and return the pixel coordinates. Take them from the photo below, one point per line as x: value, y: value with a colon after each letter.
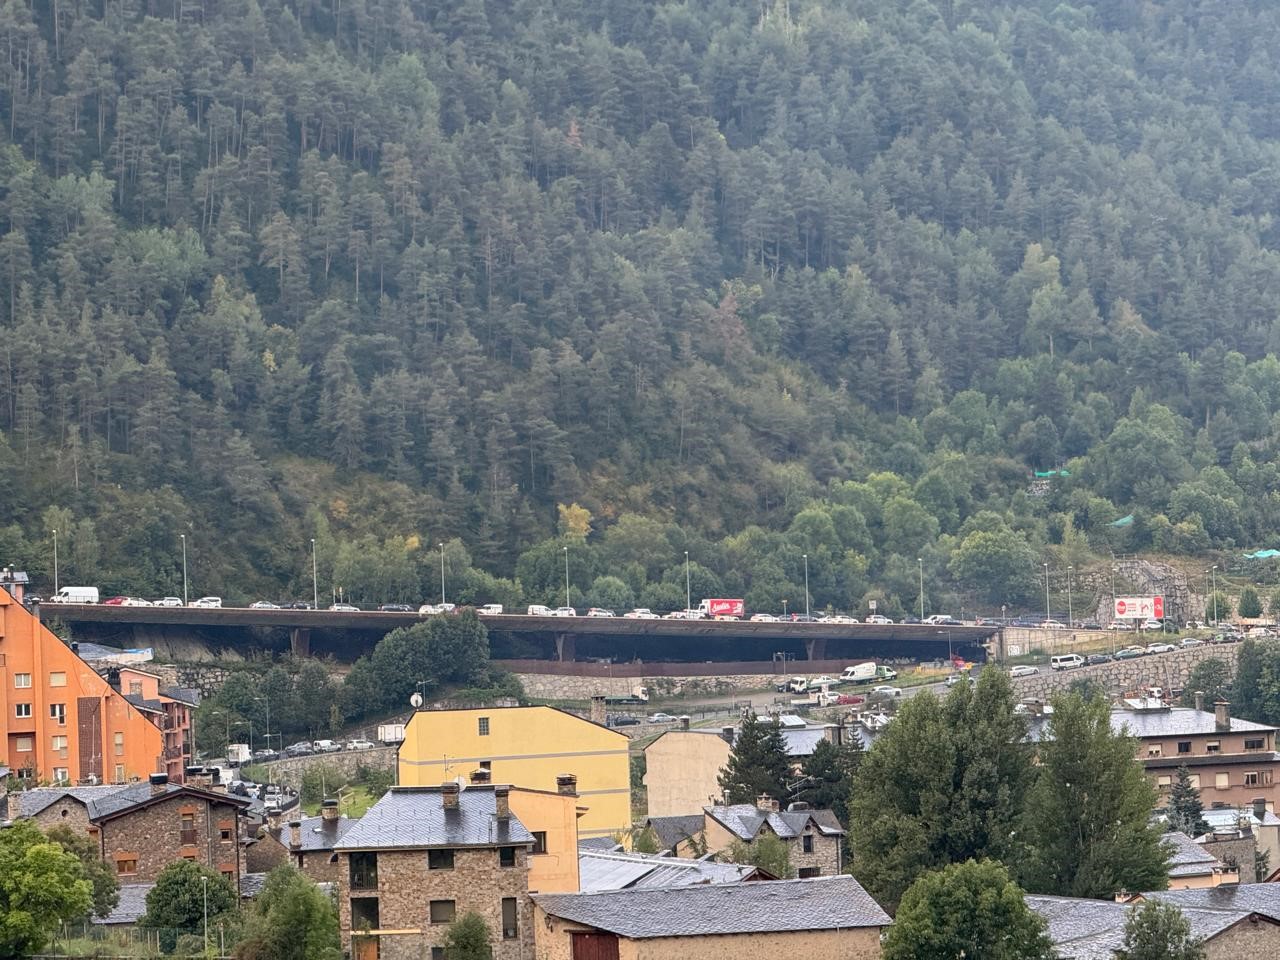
x: 831, y: 278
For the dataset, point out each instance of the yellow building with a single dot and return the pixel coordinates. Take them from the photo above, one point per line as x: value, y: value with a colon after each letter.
x: 552, y: 818
x: 526, y: 747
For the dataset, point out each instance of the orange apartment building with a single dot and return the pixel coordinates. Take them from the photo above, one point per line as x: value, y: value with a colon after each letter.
x: 169, y: 708
x: 60, y: 721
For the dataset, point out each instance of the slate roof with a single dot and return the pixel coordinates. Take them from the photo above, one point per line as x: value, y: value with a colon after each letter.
x: 622, y: 871
x: 251, y: 884
x: 1188, y: 858
x: 822, y: 903
x: 1094, y: 929
x: 109, y: 799
x: 316, y: 833
x: 599, y: 845
x: 414, y: 817
x: 131, y: 906
x: 1260, y: 898
x: 672, y: 831
x: 188, y: 695
x: 31, y: 802
x: 142, y: 703
x: 1177, y: 721
x: 800, y: 740
x: 745, y: 821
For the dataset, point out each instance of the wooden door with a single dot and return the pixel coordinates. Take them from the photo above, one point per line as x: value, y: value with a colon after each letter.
x: 366, y: 948
x: 595, y: 946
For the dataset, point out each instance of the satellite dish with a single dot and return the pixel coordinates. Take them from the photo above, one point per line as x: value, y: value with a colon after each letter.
x: 416, y: 701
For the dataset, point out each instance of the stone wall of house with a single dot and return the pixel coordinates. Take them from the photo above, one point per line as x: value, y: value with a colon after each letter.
x: 825, y: 857
x: 1237, y: 852
x: 1166, y: 670
x: 152, y: 835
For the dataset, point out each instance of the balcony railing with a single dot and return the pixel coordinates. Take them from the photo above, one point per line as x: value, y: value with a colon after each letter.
x: 364, y: 880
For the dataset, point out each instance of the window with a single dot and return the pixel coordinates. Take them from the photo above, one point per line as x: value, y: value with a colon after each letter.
x: 188, y: 828
x: 224, y: 833
x: 135, y: 688
x: 22, y: 711
x: 126, y: 867
x: 1153, y: 750
x: 1195, y: 780
x: 1251, y: 778
x: 22, y: 681
x: 58, y: 712
x: 539, y: 841
x: 1221, y: 781
x: 60, y: 775
x: 484, y: 726
x: 364, y: 872
x: 1253, y: 743
x: 807, y: 872
x: 442, y: 911
x: 57, y: 679
x: 437, y: 953
x: 1184, y: 746
x: 439, y: 859
x: 510, y: 925
x: 1213, y: 746
x: 60, y: 741
x: 118, y: 740
x: 506, y: 856
x: 119, y: 778
x: 1163, y: 782
x: 806, y: 843
x: 24, y: 744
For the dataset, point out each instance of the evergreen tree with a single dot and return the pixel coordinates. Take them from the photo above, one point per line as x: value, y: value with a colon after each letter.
x: 292, y: 920
x: 1184, y: 809
x: 757, y: 764
x: 829, y: 773
x: 1249, y: 606
x: 1159, y: 931
x: 468, y: 939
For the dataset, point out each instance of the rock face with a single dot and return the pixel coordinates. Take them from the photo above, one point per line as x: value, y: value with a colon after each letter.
x: 1166, y: 670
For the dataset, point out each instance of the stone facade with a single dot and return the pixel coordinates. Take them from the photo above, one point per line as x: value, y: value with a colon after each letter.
x: 1166, y: 670
x: 67, y: 812
x: 1247, y: 940
x: 144, y: 840
x: 822, y: 859
x: 406, y: 887
x: 346, y: 763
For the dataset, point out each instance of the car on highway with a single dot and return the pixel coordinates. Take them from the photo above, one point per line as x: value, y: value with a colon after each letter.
x: 824, y: 681
x: 1023, y: 670
x: 297, y: 605
x: 326, y: 746
x: 207, y: 602
x: 841, y: 618
x: 600, y: 612
x: 395, y: 608
x: 344, y: 608
x: 127, y: 602
x: 360, y: 744
x: 300, y: 749
x: 1152, y: 624
x: 1128, y: 653
x: 1089, y: 625
x: 264, y: 605
x: 880, y: 619
x: 261, y: 755
x: 1119, y: 625
x: 763, y: 618
x: 802, y: 618
x: 433, y: 609
x: 640, y: 613
x: 1093, y: 659
x: 1052, y: 625
x: 564, y: 612
x: 1160, y: 648
x: 534, y: 610
x: 167, y: 602
x: 886, y: 691
x: 954, y: 678
x: 1186, y: 643
x: 489, y: 609
x: 662, y: 718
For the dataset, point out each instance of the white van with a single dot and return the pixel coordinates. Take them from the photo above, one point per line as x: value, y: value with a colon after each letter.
x: 538, y: 610
x: 75, y: 595
x: 1066, y: 661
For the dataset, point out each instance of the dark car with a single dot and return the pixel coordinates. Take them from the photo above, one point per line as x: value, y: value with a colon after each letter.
x: 1096, y: 658
x: 623, y: 721
x: 396, y: 608
x: 297, y: 605
x: 1089, y: 625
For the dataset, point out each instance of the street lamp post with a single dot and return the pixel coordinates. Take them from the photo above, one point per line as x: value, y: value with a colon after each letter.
x: 204, y: 882
x: 1070, y: 618
x: 566, y: 576
x: 784, y: 609
x: 688, y: 595
x: 1214, y: 572
x: 1047, y: 614
x: 806, y: 585
x: 55, y: 561
x: 315, y: 579
x: 183, y: 538
x: 442, y: 573
x: 920, y: 564
x: 267, y: 735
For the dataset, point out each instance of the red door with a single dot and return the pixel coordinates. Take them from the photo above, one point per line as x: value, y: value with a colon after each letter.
x: 594, y: 946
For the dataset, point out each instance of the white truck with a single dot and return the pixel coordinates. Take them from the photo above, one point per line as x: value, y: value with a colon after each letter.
x: 636, y: 696
x: 391, y: 732
x: 867, y: 672
x: 75, y: 595
x: 238, y: 753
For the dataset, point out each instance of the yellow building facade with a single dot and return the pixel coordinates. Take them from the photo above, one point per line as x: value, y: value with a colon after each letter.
x: 552, y: 818
x: 526, y: 747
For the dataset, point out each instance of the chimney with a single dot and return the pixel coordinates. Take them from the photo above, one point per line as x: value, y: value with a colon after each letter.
x: 273, y: 820
x: 1200, y: 701
x: 501, y: 802
x: 329, y: 810
x: 766, y: 802
x: 159, y: 783
x: 599, y: 713
x: 14, y: 804
x: 567, y: 784
x: 1221, y: 716
x: 833, y: 733
x: 194, y: 777
x: 449, y: 795
x: 726, y: 734
x: 295, y: 834
x: 1260, y: 808
x: 684, y: 722
x: 480, y: 776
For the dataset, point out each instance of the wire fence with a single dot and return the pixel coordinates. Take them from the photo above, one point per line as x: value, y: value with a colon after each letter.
x: 88, y: 940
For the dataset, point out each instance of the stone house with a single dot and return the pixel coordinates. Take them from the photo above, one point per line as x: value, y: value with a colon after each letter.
x: 306, y: 843
x: 1192, y: 866
x: 423, y: 856
x: 825, y: 917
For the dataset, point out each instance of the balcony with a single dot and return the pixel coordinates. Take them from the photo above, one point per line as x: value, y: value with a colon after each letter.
x: 172, y: 753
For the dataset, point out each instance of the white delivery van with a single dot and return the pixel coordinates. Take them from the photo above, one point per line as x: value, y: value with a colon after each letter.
x: 1066, y: 661
x: 75, y: 595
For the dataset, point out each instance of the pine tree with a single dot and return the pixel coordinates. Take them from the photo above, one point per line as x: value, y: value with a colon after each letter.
x: 829, y: 773
x: 1249, y: 606
x: 757, y: 763
x: 1185, y: 811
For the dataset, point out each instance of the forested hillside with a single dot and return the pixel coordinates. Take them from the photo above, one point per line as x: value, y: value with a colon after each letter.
x: 749, y: 280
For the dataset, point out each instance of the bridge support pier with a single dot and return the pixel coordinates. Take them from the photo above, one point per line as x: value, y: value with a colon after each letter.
x: 300, y: 641
x: 566, y: 647
x: 815, y: 649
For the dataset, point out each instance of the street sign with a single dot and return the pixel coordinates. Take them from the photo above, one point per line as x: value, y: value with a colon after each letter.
x: 872, y: 605
x: 1139, y: 608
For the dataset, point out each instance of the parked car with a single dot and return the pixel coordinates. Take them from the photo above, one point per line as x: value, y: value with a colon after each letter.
x: 841, y: 618
x: 261, y: 755
x: 360, y: 744
x: 1052, y: 625
x: 1160, y: 648
x: 1089, y: 625
x: 849, y: 700
x: 763, y: 618
x: 622, y: 720
x: 1187, y: 642
x: 489, y: 609
x: 886, y: 691
x: 264, y: 605
x: 879, y: 619
x: 535, y: 610
x: 1128, y: 653
x: 954, y: 678
x: 1119, y: 625
x: 600, y: 612
x: 166, y: 602
x: 823, y: 681
x: 344, y: 608
x: 1152, y: 624
x: 395, y: 608
x: 207, y: 602
x: 1093, y: 659
x: 564, y: 612
x: 662, y: 718
x: 640, y: 613
x: 1023, y: 670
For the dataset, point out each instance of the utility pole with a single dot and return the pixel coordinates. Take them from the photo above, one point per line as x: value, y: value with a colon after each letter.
x: 315, y: 579
x: 55, y: 561
x: 442, y: 573
x: 1047, y: 614
x: 1070, y: 618
x: 1214, y: 572
x: 183, y: 538
x: 566, y: 576
x: 688, y: 596
x: 806, y: 585
x: 920, y: 564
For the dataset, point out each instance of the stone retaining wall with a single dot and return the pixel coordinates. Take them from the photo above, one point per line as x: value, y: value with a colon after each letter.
x: 543, y: 686
x: 1167, y: 670
x: 348, y: 763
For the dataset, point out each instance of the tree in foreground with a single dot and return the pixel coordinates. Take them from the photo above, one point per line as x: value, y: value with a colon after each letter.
x: 943, y: 784
x: 969, y: 909
x: 468, y: 939
x: 1158, y: 931
x: 767, y: 852
x: 1087, y: 824
x: 1185, y: 811
x: 829, y: 773
x: 292, y: 920
x: 757, y: 763
x: 176, y: 904
x: 41, y: 885
x: 106, y: 888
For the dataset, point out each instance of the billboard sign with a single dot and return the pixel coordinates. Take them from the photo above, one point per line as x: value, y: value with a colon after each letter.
x: 1139, y: 608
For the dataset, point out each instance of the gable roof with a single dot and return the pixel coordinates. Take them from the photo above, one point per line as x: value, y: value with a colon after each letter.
x: 672, y: 831
x: 129, y: 908
x: 745, y: 821
x: 1260, y: 898
x: 415, y: 818
x: 599, y: 845
x: 630, y: 871
x: 822, y: 903
x: 315, y: 833
x: 136, y: 796
x: 1187, y: 858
